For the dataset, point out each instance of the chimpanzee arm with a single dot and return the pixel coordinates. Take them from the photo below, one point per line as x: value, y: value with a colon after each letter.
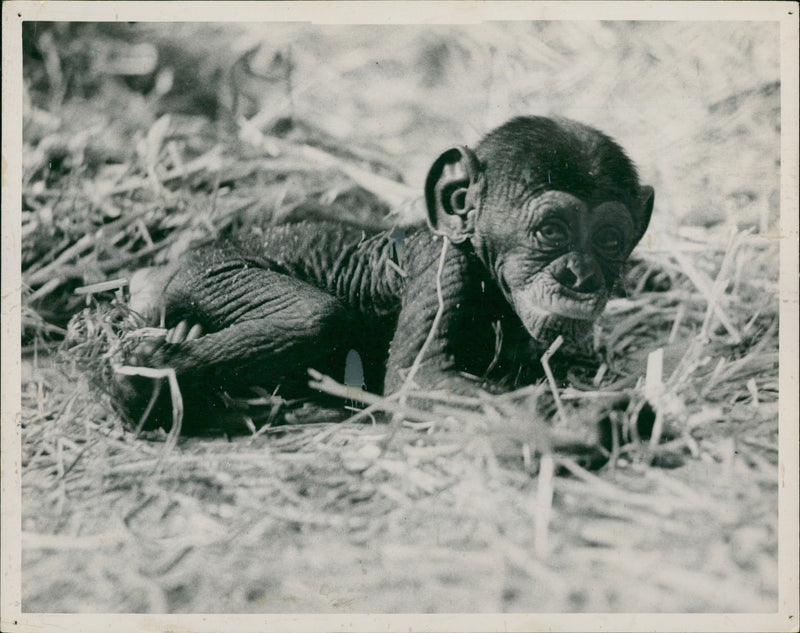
x: 260, y: 326
x: 463, y: 340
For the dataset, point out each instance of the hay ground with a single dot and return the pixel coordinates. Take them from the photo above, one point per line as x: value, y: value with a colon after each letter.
x: 124, y: 165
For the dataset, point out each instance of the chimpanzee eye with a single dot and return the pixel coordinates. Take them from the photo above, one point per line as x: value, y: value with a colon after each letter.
x: 553, y: 233
x: 609, y: 240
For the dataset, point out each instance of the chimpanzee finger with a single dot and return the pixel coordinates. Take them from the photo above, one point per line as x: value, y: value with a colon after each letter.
x: 195, y: 332
x: 144, y: 352
x: 178, y: 333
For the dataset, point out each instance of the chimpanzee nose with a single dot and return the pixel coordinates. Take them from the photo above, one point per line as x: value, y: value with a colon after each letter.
x: 579, y: 273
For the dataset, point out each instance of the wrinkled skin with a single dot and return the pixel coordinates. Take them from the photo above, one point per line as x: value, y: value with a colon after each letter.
x: 539, y: 220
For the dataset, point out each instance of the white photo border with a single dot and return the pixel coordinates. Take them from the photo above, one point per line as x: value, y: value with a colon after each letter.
x: 435, y: 12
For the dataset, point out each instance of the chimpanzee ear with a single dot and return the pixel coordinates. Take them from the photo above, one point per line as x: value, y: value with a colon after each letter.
x: 645, y: 210
x: 450, y: 193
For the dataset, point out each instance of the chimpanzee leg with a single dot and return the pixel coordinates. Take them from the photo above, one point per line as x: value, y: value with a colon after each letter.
x: 264, y: 318
x: 262, y: 328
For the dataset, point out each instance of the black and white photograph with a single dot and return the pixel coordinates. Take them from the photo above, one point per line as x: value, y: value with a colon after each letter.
x: 318, y: 315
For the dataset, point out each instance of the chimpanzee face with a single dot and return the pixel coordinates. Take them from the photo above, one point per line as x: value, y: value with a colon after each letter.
x: 556, y: 258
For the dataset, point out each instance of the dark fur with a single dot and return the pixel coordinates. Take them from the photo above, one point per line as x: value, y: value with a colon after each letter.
x: 309, y: 292
x: 577, y: 159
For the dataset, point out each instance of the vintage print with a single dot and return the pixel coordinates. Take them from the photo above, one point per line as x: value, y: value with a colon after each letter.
x: 400, y: 318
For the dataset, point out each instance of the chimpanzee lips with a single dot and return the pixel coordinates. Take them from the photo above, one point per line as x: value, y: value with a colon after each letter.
x: 556, y: 299
x: 547, y: 311
x: 546, y: 327
x: 577, y: 305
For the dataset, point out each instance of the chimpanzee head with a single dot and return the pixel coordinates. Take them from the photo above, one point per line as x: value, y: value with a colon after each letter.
x: 552, y: 207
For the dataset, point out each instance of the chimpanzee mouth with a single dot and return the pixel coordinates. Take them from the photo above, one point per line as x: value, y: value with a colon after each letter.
x: 577, y: 295
x: 576, y: 305
x: 561, y: 302
x: 545, y: 327
x: 577, y: 312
